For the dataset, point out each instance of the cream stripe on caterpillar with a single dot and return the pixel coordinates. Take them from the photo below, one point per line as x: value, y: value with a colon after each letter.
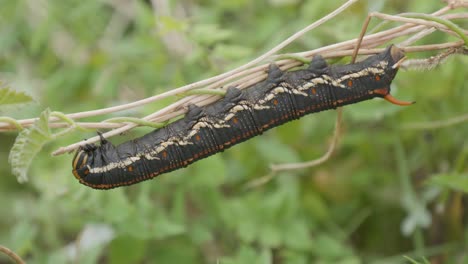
x: 240, y: 115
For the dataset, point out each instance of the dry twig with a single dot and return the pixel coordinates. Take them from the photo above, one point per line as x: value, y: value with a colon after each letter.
x: 17, y: 259
x: 248, y: 74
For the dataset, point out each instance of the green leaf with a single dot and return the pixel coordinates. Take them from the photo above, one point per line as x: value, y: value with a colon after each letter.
x: 167, y: 24
x: 296, y: 236
x: 127, y: 249
x: 10, y: 96
x: 275, y: 151
x: 162, y: 227
x: 265, y: 257
x: 178, y: 250
x: 22, y: 235
x: 452, y: 181
x: 248, y: 231
x: 372, y: 111
x: 118, y: 208
x: 213, y: 176
x: 247, y: 254
x: 331, y: 248
x: 28, y: 143
x: 270, y: 236
x: 209, y: 34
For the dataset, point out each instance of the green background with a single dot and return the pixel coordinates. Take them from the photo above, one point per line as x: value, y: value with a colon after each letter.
x: 387, y: 193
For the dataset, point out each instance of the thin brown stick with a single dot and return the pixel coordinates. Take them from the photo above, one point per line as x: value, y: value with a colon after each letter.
x: 324, y: 50
x: 17, y: 259
x: 26, y: 122
x: 245, y: 66
x: 275, y: 168
x: 361, y: 36
x: 315, y: 162
x: 206, y: 81
x: 285, y: 64
x: 324, y: 158
x: 433, y: 61
x: 378, y: 38
x: 246, y: 75
x: 159, y: 116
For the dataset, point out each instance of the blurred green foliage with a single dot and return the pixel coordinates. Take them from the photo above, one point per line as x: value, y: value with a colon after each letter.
x: 389, y: 195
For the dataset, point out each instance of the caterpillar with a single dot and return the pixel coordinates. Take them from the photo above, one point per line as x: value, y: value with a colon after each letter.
x: 238, y: 116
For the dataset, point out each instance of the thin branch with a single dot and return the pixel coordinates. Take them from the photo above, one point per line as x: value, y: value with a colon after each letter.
x: 168, y: 113
x: 17, y: 259
x: 301, y: 165
x: 286, y: 64
x: 275, y: 168
x: 136, y: 121
x: 202, y: 82
x: 11, y: 121
x: 331, y: 50
x: 246, y: 75
x: 433, y: 61
x: 219, y: 77
x: 449, y: 24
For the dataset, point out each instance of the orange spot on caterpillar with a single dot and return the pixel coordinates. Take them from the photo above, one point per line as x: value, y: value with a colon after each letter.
x: 197, y: 137
x: 130, y: 168
x: 314, y: 91
x: 235, y: 120
x: 275, y: 102
x: 377, y: 77
x: 350, y: 83
x: 164, y: 154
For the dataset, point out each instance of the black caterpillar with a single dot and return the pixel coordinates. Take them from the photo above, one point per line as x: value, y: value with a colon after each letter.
x: 240, y: 115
